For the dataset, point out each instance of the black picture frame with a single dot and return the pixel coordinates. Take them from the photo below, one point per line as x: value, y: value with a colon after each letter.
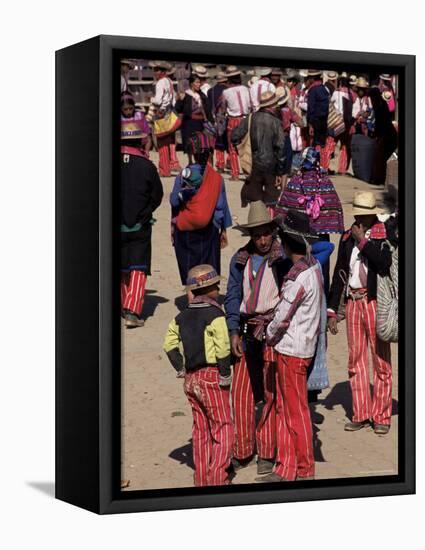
x: 88, y: 332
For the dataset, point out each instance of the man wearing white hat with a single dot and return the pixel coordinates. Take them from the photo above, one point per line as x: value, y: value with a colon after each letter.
x: 387, y: 91
x: 203, y: 74
x: 163, y: 100
x: 364, y: 254
x: 237, y: 105
x: 362, y: 107
x: 263, y: 84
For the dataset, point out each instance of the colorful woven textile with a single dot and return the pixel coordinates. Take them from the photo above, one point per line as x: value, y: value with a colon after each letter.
x: 312, y: 192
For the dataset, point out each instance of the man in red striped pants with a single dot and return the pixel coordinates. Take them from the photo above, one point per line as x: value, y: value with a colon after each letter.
x: 293, y: 333
x: 363, y: 254
x: 256, y: 273
x: 237, y: 104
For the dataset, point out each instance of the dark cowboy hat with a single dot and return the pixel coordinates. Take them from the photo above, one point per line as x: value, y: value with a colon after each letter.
x: 297, y: 226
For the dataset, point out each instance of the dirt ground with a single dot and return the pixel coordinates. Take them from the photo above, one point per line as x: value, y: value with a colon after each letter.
x: 156, y: 418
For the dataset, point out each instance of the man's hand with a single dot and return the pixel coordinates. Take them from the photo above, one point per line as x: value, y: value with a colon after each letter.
x: 358, y: 232
x: 333, y: 325
x: 236, y: 345
x: 223, y: 239
x: 278, y: 182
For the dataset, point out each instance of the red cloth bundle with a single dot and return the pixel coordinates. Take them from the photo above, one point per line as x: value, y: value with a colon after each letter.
x: 199, y: 210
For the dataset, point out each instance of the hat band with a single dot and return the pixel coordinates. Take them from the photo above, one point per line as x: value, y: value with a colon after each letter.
x: 200, y: 279
x: 365, y: 207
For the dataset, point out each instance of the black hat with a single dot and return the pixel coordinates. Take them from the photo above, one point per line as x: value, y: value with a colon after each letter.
x: 297, y: 226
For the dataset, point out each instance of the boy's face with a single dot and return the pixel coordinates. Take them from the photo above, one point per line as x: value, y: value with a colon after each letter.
x: 127, y: 110
x: 262, y: 238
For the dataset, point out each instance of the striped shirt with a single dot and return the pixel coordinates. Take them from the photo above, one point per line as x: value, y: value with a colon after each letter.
x: 259, y: 88
x: 164, y: 94
x: 295, y: 328
x: 237, y: 101
x: 260, y: 291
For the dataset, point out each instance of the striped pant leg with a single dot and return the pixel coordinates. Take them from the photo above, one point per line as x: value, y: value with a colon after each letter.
x: 382, y: 370
x: 233, y: 154
x: 164, y: 157
x: 326, y: 152
x: 243, y: 411
x: 297, y: 432
x: 125, y: 281
x: 219, y: 162
x: 201, y: 440
x: 266, y: 428
x: 216, y: 402
x: 174, y: 161
x: 135, y: 295
x: 358, y: 370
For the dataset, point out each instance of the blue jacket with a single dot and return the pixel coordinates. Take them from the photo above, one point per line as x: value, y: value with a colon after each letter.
x: 222, y: 218
x: 317, y: 103
x: 281, y: 265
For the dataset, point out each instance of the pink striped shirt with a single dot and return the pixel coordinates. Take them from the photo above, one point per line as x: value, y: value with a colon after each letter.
x: 268, y: 297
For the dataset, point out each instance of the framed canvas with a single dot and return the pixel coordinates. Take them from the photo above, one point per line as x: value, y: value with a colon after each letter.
x: 130, y: 435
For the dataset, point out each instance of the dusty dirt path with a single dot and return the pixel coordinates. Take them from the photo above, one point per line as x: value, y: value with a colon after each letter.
x: 156, y: 418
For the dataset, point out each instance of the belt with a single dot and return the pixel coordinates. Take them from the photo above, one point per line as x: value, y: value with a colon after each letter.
x: 357, y: 294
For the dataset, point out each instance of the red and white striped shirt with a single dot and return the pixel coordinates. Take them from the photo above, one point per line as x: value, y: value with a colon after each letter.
x: 259, y: 88
x: 295, y: 327
x: 237, y: 101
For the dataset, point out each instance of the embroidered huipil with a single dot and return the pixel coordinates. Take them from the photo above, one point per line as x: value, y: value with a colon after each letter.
x: 295, y: 328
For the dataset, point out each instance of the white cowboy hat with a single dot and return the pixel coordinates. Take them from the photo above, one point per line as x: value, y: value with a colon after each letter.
x: 258, y: 215
x: 232, y: 70
x: 201, y: 71
x: 364, y: 204
x: 263, y: 71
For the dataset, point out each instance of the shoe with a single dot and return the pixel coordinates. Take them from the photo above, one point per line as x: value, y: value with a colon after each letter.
x: 355, y: 426
x: 132, y: 321
x: 270, y: 478
x: 381, y: 429
x: 239, y: 464
x: 264, y: 466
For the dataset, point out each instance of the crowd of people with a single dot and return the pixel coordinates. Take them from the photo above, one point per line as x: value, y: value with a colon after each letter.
x: 266, y: 349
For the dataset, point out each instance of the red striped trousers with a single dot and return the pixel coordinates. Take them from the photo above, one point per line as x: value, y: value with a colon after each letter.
x: 295, y: 456
x: 247, y: 434
x: 212, y: 429
x: 174, y: 161
x: 233, y: 154
x: 220, y: 159
x: 164, y: 156
x: 133, y: 287
x: 361, y: 331
x: 326, y: 152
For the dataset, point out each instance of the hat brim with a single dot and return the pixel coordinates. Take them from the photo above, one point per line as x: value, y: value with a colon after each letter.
x: 234, y: 73
x: 358, y: 211
x: 297, y: 236
x: 245, y: 228
x: 210, y: 282
x: 383, y: 77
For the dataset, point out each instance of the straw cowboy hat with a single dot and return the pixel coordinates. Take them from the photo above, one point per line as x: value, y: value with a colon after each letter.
x: 331, y: 75
x: 131, y: 130
x: 127, y: 62
x: 202, y: 276
x: 297, y: 226
x: 269, y: 99
x: 263, y: 71
x: 258, y: 215
x: 221, y: 77
x: 303, y: 73
x: 277, y: 71
x: 253, y: 80
x: 353, y: 79
x: 385, y: 76
x: 232, y: 70
x: 200, y: 71
x: 160, y: 65
x: 314, y: 72
x: 343, y: 75
x: 364, y: 204
x: 361, y: 82
x: 292, y: 75
x: 283, y: 95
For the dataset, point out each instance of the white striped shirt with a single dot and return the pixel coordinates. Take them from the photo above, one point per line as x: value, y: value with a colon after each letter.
x: 259, y: 88
x: 295, y: 328
x: 237, y: 101
x: 164, y: 94
x: 269, y: 292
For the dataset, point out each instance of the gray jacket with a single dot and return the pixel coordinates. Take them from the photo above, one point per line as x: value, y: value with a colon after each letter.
x: 267, y: 142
